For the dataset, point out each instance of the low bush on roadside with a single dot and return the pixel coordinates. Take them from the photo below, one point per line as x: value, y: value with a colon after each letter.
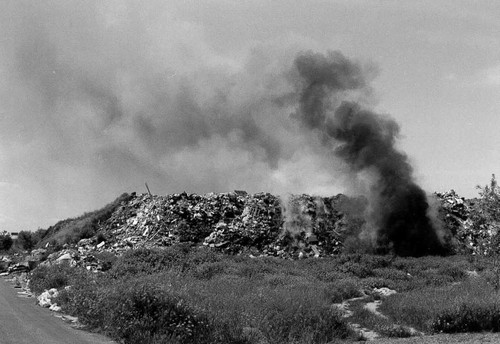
x: 47, y: 277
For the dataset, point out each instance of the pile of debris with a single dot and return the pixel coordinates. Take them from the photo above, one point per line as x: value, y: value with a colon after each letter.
x: 84, y: 255
x: 234, y: 222
x: 237, y: 222
x: 46, y: 299
x: 456, y: 211
x: 470, y: 226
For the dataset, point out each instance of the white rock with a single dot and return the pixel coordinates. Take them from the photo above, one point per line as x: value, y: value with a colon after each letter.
x: 55, y: 308
x: 45, y: 298
x: 384, y: 291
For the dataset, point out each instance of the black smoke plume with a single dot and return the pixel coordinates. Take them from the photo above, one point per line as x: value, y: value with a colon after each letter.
x: 366, y: 142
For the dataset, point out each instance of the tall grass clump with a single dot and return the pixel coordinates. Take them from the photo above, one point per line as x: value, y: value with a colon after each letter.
x: 48, y: 277
x: 431, y: 309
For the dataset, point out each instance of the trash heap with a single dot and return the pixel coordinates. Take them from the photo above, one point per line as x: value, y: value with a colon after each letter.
x: 262, y: 224
x: 455, y: 212
x: 469, y: 224
x: 234, y: 222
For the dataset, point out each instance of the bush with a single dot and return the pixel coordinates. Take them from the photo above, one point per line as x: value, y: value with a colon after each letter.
x: 47, y: 277
x: 469, y: 317
x: 295, y: 314
x: 356, y: 269
x: 106, y: 259
x: 342, y: 290
x: 396, y: 331
x: 144, y: 311
x: 5, y: 242
x: 424, y: 308
x: 455, y: 272
x: 25, y: 240
x: 147, y: 261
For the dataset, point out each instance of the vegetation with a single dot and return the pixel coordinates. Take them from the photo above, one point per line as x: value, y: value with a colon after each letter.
x: 5, y: 242
x: 70, y: 231
x: 215, y: 298
x: 56, y: 276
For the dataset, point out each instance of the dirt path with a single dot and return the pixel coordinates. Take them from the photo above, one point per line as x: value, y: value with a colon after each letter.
x: 22, y: 322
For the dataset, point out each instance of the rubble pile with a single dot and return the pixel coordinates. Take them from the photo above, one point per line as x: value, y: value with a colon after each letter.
x: 260, y: 224
x: 456, y: 211
x: 296, y: 226
x: 46, y: 298
x: 468, y: 223
x: 82, y: 256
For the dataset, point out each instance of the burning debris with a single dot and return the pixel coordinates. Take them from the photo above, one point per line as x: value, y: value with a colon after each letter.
x: 366, y: 142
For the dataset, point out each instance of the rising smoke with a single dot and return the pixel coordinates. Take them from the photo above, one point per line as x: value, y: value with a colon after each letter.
x: 398, y: 212
x: 99, y: 97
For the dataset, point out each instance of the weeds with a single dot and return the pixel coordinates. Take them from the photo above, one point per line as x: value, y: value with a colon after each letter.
x: 429, y: 309
x: 234, y: 299
x: 47, y: 277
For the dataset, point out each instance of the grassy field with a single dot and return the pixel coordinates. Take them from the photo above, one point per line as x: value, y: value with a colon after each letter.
x: 194, y: 295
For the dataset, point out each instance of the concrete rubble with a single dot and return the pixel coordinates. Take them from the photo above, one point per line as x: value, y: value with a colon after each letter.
x: 235, y: 222
x: 298, y: 226
x: 45, y: 299
x: 463, y: 218
x: 261, y: 224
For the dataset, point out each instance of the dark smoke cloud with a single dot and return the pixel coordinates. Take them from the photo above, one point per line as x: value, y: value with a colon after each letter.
x: 366, y: 141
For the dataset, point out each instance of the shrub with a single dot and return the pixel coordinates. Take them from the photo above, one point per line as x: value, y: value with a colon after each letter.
x: 25, y: 240
x: 147, y: 261
x: 292, y: 314
x: 342, y: 290
x: 106, y: 259
x: 356, y: 269
x: 208, y: 270
x: 5, y: 242
x: 149, y: 309
x: 138, y: 310
x: 469, y: 317
x: 86, y: 299
x: 47, y: 277
x: 396, y: 331
x: 455, y: 272
x: 422, y: 308
x: 391, y: 274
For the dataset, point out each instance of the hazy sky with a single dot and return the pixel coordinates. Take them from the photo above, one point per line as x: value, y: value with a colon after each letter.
x: 98, y: 97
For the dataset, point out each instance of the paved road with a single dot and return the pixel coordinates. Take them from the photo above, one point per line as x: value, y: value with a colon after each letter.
x: 23, y: 322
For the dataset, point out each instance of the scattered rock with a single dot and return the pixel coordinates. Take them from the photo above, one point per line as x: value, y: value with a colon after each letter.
x: 45, y: 298
x: 384, y: 291
x: 55, y: 308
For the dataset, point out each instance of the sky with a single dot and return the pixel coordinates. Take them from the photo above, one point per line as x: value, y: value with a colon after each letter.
x: 99, y: 97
